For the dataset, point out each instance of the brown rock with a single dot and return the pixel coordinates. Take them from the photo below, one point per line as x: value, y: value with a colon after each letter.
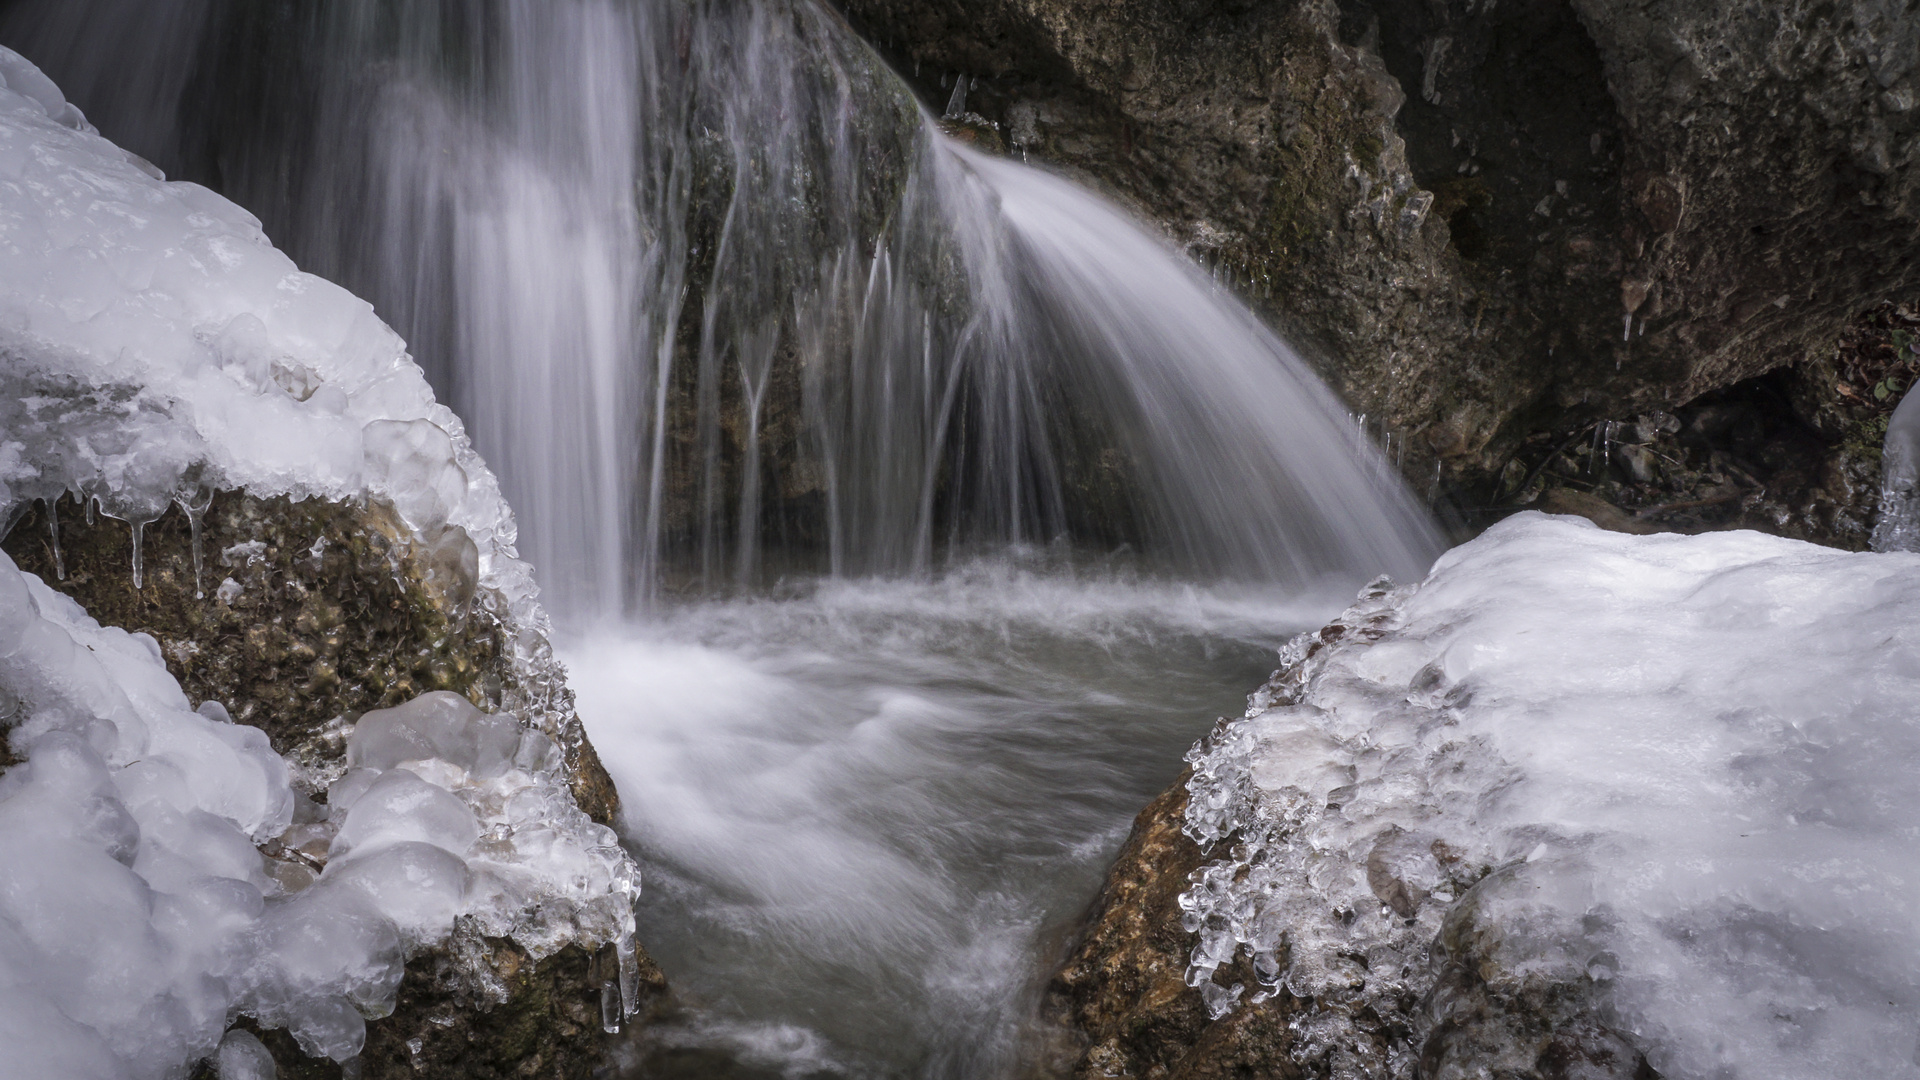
x: 1594, y: 509
x: 1122, y: 993
x: 330, y: 589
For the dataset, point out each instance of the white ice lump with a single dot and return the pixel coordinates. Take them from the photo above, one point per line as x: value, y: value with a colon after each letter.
x: 137, y: 913
x: 1689, y: 761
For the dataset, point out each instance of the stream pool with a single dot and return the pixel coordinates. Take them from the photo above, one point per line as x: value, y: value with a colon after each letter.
x: 870, y: 812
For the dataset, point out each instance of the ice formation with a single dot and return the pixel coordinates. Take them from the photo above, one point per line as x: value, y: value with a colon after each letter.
x: 1898, y: 527
x: 159, y: 874
x: 1671, y: 774
x: 138, y: 912
x: 154, y: 345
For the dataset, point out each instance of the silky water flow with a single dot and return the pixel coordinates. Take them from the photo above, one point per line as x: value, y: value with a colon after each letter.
x: 904, y: 511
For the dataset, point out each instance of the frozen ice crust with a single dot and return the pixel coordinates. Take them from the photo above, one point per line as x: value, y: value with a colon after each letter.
x: 1674, y: 773
x: 138, y: 912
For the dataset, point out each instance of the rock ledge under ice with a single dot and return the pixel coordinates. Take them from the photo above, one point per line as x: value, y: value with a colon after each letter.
x: 1580, y: 803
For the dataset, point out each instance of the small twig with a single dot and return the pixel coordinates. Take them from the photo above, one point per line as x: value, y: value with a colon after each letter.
x: 1588, y: 484
x: 1535, y: 472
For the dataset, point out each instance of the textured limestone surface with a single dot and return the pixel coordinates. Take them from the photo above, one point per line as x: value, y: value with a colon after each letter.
x: 536, y: 1020
x: 1493, y: 221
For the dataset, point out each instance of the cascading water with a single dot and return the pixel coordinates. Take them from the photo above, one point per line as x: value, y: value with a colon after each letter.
x: 708, y: 287
x: 727, y: 314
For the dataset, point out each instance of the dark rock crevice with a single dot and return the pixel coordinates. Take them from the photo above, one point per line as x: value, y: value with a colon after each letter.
x: 1794, y: 452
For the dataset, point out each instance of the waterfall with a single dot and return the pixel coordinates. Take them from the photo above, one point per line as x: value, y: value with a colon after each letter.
x: 905, y: 510
x: 720, y: 303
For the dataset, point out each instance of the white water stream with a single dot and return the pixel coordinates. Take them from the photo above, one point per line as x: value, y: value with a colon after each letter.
x: 870, y: 813
x: 904, y: 512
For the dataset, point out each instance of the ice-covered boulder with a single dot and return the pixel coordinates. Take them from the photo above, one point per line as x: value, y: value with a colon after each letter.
x: 239, y: 466
x: 162, y: 874
x: 155, y: 349
x: 1581, y: 803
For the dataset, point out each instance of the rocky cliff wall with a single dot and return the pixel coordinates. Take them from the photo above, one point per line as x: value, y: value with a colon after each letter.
x: 1498, y: 223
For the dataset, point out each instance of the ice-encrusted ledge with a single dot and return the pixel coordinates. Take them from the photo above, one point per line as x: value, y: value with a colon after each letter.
x: 240, y: 464
x: 1580, y: 803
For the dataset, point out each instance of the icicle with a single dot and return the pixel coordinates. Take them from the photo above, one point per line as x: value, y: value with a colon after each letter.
x: 1626, y: 333
x: 53, y: 531
x: 139, y: 529
x: 92, y: 504
x: 610, y: 1007
x: 138, y: 524
x: 957, y: 104
x: 10, y: 516
x: 629, y: 974
x: 1602, y: 447
x: 195, y: 508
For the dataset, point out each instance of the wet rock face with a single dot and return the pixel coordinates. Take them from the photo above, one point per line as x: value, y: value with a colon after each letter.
x: 1460, y: 204
x: 1123, y: 996
x: 305, y: 615
x: 1794, y: 452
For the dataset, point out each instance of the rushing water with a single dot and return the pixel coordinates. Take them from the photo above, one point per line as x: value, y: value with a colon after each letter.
x: 870, y: 812
x: 904, y: 511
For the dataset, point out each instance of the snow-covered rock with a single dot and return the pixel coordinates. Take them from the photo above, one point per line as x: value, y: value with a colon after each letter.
x: 162, y: 868
x: 1658, y: 789
x: 138, y: 913
x: 154, y: 346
